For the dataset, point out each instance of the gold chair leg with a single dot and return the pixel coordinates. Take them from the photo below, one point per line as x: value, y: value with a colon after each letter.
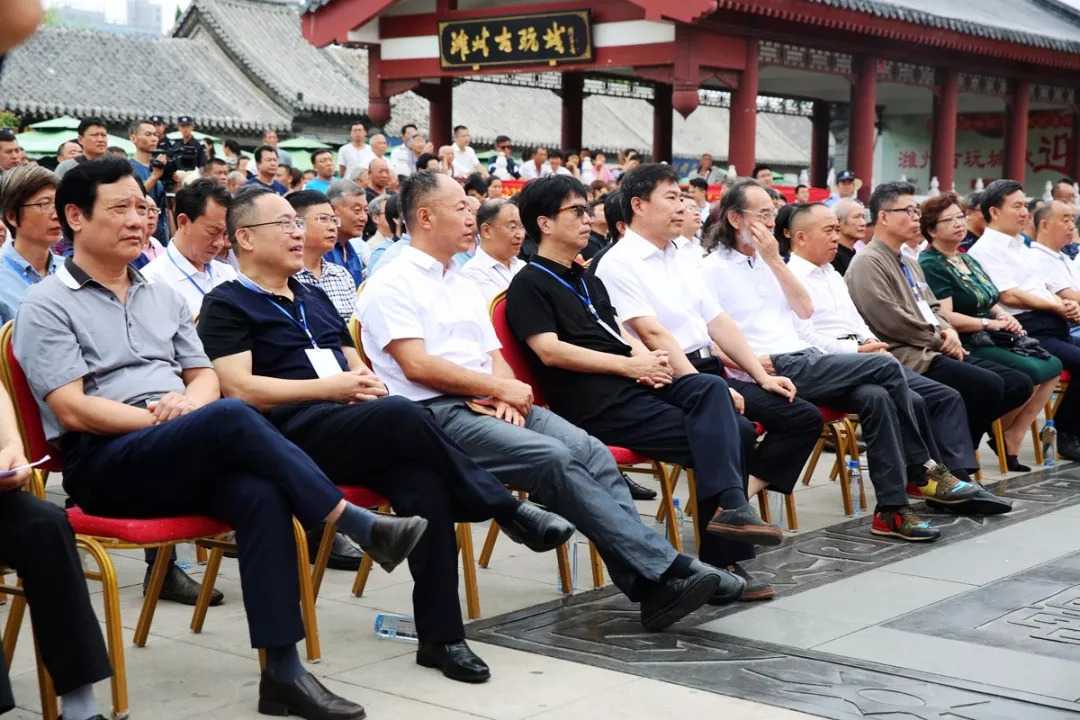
x: 362, y: 575
x: 468, y: 565
x: 262, y: 659
x: 114, y: 631
x: 999, y: 439
x: 307, y: 597
x: 691, y: 486
x: 153, y: 592
x: 49, y: 708
x: 811, y: 464
x: 14, y: 625
x: 326, y: 543
x: 1035, y: 442
x: 978, y: 468
x: 202, y: 604
x: 763, y: 506
x: 489, y: 544
x: 597, y: 566
x: 793, y: 516
x: 672, y: 479
x: 667, y: 505
x: 201, y: 556
x: 565, y: 577
x: 845, y: 487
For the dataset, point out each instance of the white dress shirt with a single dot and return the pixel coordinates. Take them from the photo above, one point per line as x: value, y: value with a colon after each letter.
x: 402, y: 161
x: 691, y: 249
x: 835, y: 315
x: 416, y: 297
x: 351, y: 156
x: 176, y: 271
x: 1008, y: 263
x: 913, y: 252
x: 465, y: 161
x: 489, y: 275
x: 645, y: 281
x: 528, y: 170
x: 1057, y: 270
x: 752, y: 295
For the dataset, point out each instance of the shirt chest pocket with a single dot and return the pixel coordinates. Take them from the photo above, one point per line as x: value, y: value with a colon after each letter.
x: 447, y: 318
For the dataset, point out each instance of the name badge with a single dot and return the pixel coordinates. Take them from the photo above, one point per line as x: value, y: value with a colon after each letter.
x: 323, y: 362
x: 927, y: 313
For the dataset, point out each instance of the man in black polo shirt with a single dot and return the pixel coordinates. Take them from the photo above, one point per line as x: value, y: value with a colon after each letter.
x: 281, y: 346
x: 606, y: 382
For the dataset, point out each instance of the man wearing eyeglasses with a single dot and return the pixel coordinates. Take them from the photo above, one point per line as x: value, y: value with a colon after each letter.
x: 320, y: 235
x: 892, y: 295
x: 496, y: 261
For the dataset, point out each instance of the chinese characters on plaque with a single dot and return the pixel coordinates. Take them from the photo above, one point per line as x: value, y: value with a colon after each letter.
x: 543, y: 38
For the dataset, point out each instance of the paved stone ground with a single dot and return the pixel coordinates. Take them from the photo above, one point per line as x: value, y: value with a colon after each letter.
x: 826, y: 639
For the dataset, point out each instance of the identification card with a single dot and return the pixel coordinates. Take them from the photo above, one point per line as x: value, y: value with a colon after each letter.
x: 323, y: 362
x: 927, y: 313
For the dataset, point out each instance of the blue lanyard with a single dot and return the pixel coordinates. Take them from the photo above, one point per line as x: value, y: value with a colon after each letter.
x: 18, y: 270
x: 583, y: 298
x: 209, y: 271
x: 301, y: 323
x: 911, y: 280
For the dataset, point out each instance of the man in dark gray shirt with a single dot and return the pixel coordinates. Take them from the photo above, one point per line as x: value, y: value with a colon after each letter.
x: 130, y: 398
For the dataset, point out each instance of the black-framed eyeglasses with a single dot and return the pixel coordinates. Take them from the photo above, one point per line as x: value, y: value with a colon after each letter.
x: 913, y: 212
x: 580, y: 209
x: 287, y: 225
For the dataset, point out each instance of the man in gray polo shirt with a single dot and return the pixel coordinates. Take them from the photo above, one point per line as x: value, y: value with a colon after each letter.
x: 130, y: 398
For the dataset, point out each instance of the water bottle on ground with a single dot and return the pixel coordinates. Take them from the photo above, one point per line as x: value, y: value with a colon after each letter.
x: 577, y: 540
x: 392, y: 626
x: 856, y: 487
x: 1048, y: 438
x: 185, y: 555
x: 680, y: 518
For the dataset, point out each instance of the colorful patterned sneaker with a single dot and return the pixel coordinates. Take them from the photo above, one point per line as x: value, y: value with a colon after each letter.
x: 904, y: 524
x: 942, y: 486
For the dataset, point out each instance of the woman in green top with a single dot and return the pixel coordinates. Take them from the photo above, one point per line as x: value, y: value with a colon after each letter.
x: 969, y: 303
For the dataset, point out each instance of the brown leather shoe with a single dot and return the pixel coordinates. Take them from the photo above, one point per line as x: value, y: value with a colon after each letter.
x: 742, y: 523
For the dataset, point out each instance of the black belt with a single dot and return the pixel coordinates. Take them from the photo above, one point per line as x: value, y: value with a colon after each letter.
x: 849, y: 337
x: 703, y: 353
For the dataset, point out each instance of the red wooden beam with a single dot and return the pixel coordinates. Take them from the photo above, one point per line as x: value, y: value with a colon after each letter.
x: 332, y: 22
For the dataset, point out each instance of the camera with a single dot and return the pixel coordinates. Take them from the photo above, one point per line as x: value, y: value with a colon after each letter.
x: 179, y: 157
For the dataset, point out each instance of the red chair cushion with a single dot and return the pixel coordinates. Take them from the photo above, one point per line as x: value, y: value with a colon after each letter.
x: 1066, y: 376
x: 759, y: 429
x: 144, y: 532
x: 512, y: 351
x: 362, y: 496
x: 626, y: 456
x: 27, y: 408
x: 831, y: 415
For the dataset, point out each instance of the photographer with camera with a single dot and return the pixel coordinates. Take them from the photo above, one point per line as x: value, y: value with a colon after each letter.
x: 150, y: 166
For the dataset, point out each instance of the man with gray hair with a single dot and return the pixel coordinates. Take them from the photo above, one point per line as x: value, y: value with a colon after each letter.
x: 852, y: 216
x: 350, y: 204
x: 234, y: 181
x: 377, y: 215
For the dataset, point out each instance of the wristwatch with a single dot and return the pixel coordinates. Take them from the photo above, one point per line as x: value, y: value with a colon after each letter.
x: 986, y: 324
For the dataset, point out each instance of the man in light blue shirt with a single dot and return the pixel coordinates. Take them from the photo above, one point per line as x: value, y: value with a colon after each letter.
x: 322, y: 161
x: 28, y: 207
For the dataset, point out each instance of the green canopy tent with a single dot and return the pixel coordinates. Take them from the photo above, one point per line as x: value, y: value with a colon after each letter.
x: 300, y: 149
x: 64, y: 122
x: 44, y: 143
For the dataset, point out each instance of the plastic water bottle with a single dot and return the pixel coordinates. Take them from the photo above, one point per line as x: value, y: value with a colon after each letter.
x: 1048, y: 437
x: 500, y: 166
x: 680, y: 518
x: 854, y: 474
x: 185, y: 555
x: 392, y: 626
x: 576, y: 541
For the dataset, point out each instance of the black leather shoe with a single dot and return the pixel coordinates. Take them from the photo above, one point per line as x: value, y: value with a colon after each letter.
x: 755, y: 589
x: 676, y: 599
x: 638, y: 491
x: 733, y: 586
x: 984, y: 503
x: 393, y: 538
x: 742, y: 523
x: 1068, y: 447
x: 179, y: 588
x: 456, y: 661
x: 537, y: 529
x: 305, y: 696
x: 343, y: 555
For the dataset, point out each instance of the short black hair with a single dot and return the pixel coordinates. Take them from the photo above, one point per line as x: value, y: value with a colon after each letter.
x: 555, y: 153
x: 191, y: 199
x: 995, y: 193
x: 783, y: 223
x: 500, y: 139
x: 79, y: 186
x: 241, y: 207
x: 489, y: 210
x: 543, y: 197
x: 613, y: 214
x: 640, y: 183
x: 758, y: 168
x: 6, y: 135
x: 301, y: 200
x: 232, y: 145
x: 699, y: 183
x: 392, y: 213
x: 215, y: 161
x: 134, y: 127
x: 886, y: 193
x: 59, y: 150
x: 414, y: 190
x: 974, y: 201
x: 476, y: 183
x: 800, y: 186
x: 317, y: 153
x: 406, y: 126
x: 459, y: 127
x: 424, y: 159
x: 89, y: 122
x: 262, y: 150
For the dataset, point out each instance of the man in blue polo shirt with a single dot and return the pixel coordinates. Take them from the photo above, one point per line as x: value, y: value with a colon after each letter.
x: 266, y: 165
x: 282, y: 346
x: 322, y: 161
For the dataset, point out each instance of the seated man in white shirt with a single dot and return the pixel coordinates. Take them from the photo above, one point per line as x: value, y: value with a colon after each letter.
x: 189, y: 263
x: 465, y: 161
x: 1055, y: 228
x: 537, y: 166
x: 1023, y: 284
x: 837, y: 327
x: 429, y: 337
x: 658, y: 294
x: 688, y: 240
x: 496, y: 261
x: 767, y: 302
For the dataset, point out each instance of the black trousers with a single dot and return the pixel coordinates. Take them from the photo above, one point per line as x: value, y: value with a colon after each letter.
x: 395, y: 447
x: 227, y: 461
x: 691, y: 422
x: 942, y: 419
x: 791, y: 430
x: 989, y: 389
x: 1053, y: 334
x: 36, y: 540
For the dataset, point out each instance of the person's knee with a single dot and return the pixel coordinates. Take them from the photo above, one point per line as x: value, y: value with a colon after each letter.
x: 872, y: 398
x: 229, y: 414
x: 396, y: 408
x: 43, y: 519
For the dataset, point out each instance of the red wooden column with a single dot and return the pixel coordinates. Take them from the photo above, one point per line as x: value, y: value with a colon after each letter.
x: 572, y: 97
x: 742, y: 135
x: 943, y: 155
x: 662, y: 123
x: 819, y: 144
x: 1016, y: 131
x: 863, y: 101
x: 1074, y: 157
x: 440, y: 112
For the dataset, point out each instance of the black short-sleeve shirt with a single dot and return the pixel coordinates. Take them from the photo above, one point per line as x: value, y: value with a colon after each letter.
x: 235, y: 319
x: 538, y: 303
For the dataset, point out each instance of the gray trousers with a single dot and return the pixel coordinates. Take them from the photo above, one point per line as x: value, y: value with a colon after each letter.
x: 874, y: 387
x: 569, y: 472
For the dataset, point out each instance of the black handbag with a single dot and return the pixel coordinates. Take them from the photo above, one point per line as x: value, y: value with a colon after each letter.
x: 1023, y: 345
